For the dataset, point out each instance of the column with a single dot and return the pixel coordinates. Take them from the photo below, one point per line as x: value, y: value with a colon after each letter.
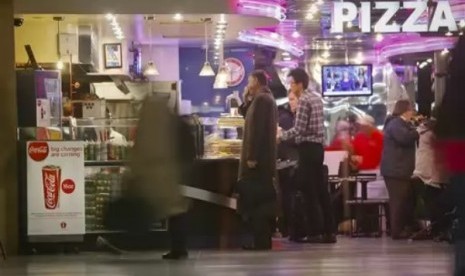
x: 8, y: 122
x: 440, y: 75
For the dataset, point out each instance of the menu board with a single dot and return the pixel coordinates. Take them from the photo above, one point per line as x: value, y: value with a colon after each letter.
x: 55, y: 188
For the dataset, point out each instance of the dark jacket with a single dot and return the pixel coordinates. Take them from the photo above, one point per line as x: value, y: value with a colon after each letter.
x: 287, y: 150
x: 259, y: 141
x: 399, y: 147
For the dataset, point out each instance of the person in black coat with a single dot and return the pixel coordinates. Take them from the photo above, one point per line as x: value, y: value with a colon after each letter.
x: 397, y: 166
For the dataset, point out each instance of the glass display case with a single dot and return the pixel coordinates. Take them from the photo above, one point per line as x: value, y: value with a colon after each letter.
x: 223, y: 137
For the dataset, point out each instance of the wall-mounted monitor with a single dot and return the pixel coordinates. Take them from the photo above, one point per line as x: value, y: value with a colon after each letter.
x: 348, y: 80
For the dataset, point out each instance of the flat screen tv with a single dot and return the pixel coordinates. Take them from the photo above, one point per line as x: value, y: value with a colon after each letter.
x: 349, y: 80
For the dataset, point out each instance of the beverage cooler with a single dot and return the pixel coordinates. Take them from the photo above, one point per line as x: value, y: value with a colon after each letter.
x: 65, y: 185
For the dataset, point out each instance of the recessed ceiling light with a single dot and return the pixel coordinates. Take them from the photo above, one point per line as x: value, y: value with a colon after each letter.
x: 285, y: 54
x: 449, y: 34
x: 109, y: 16
x: 178, y: 17
x: 309, y: 16
x: 430, y: 60
x: 313, y: 9
x: 338, y: 36
x: 325, y: 54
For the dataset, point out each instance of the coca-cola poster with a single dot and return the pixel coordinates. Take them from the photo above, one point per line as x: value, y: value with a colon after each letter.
x: 55, y: 188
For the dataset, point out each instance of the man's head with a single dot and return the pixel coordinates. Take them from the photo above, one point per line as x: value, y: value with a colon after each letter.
x: 298, y: 80
x: 257, y: 79
x: 366, y: 123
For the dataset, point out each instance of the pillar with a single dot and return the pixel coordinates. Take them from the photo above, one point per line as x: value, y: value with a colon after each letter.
x: 441, y: 62
x: 8, y: 122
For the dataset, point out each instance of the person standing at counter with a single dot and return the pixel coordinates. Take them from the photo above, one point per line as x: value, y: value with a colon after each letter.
x: 397, y: 166
x: 308, y: 132
x: 257, y: 170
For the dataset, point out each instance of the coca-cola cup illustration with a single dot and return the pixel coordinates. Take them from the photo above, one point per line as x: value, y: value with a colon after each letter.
x: 51, y: 176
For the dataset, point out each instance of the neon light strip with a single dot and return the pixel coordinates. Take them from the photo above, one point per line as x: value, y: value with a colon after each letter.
x: 256, y: 8
x: 265, y: 38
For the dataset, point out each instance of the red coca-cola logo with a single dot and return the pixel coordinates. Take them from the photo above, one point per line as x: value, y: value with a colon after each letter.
x: 68, y: 186
x: 51, y: 186
x: 38, y: 151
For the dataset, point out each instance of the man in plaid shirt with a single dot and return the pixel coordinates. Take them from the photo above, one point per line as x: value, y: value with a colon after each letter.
x: 308, y: 133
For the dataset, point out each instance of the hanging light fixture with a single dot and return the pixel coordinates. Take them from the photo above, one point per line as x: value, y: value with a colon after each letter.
x: 207, y: 70
x: 222, y: 78
x: 150, y: 68
x: 60, y: 65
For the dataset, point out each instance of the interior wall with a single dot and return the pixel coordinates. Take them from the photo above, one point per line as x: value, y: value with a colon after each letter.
x: 165, y: 57
x: 42, y: 36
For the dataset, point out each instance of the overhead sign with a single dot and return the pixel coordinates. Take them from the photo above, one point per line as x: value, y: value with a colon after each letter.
x: 344, y: 12
x: 55, y: 188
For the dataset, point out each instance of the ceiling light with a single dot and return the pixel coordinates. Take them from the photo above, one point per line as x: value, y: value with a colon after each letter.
x: 449, y: 34
x: 320, y: 2
x: 274, y: 35
x: 109, y: 16
x: 309, y: 16
x: 313, y: 9
x: 287, y: 58
x: 350, y: 25
x: 222, y: 18
x: 430, y: 60
x: 358, y: 40
x: 151, y: 69
x: 178, y: 17
x: 326, y: 54
x: 461, y: 33
x: 207, y: 70
x: 338, y: 36
x: 295, y: 34
x: 221, y: 80
x: 114, y: 23
x: 120, y: 37
x: 60, y: 65
x: 445, y: 51
x: 285, y: 54
x: 379, y: 37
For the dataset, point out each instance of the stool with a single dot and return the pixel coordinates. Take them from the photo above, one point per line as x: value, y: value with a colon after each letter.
x: 2, y: 250
x: 365, y: 213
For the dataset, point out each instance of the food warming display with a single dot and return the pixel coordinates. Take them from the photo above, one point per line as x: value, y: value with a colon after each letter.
x: 224, y: 138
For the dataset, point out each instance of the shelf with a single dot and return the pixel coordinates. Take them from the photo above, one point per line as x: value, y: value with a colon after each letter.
x: 109, y: 163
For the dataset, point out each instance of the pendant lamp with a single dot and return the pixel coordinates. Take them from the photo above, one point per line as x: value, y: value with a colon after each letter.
x: 207, y: 70
x: 150, y: 69
x: 221, y: 80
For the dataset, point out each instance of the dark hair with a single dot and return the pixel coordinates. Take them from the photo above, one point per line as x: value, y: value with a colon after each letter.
x: 451, y: 111
x: 300, y: 76
x: 401, y: 107
x: 260, y: 75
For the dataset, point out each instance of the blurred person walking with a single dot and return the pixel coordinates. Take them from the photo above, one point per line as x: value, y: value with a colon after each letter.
x: 450, y: 135
x: 257, y: 170
x: 308, y: 132
x: 161, y: 161
x: 397, y: 166
x: 367, y: 145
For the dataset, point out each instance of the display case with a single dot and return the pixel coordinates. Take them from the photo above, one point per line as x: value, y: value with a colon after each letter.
x: 223, y: 137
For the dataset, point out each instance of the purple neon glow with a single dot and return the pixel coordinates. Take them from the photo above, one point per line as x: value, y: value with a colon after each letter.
x: 266, y: 38
x: 416, y: 46
x: 272, y: 9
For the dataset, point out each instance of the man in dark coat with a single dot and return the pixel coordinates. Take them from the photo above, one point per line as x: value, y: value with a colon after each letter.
x: 258, y: 162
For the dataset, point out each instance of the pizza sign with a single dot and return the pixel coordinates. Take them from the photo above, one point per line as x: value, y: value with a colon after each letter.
x: 236, y: 71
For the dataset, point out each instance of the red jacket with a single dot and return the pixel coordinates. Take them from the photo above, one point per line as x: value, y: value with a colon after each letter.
x: 370, y: 148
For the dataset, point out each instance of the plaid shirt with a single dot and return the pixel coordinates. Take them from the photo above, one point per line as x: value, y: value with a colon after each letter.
x: 309, y: 122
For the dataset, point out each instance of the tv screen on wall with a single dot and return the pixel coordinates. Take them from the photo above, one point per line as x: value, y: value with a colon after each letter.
x: 347, y: 80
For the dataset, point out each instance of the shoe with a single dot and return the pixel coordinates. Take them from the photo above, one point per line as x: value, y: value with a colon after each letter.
x: 104, y: 244
x: 423, y: 235
x: 330, y: 238
x: 175, y: 255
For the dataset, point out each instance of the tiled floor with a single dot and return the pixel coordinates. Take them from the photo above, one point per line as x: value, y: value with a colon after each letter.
x: 377, y: 257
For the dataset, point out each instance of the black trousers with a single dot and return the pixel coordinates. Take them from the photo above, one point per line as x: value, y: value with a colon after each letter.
x: 457, y: 190
x: 310, y: 180
x: 401, y: 204
x: 286, y: 188
x: 178, y: 232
